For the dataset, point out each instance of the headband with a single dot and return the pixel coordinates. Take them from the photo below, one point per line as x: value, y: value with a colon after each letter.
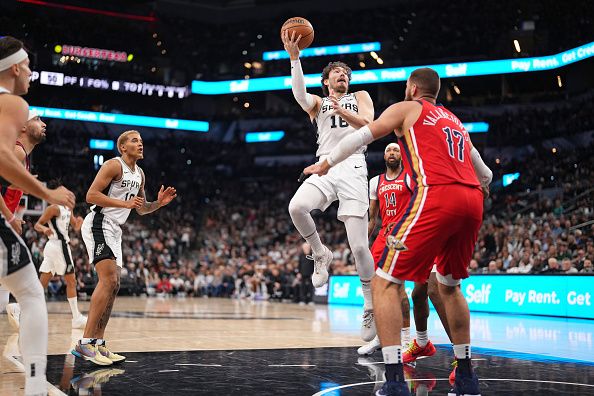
x: 391, y: 145
x: 32, y: 114
x: 13, y: 59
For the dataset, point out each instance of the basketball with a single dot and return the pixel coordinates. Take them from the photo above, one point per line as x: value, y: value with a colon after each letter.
x: 300, y: 26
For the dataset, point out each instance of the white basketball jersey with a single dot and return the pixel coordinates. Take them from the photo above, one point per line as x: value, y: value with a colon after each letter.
x: 332, y: 128
x: 123, y: 189
x: 60, y: 225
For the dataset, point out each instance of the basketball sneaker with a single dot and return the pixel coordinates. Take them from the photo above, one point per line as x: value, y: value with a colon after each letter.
x: 114, y: 357
x: 321, y: 265
x: 393, y: 388
x: 452, y: 377
x: 370, y: 347
x: 13, y: 311
x: 368, y: 330
x: 465, y: 386
x: 414, y: 351
x: 91, y: 353
x: 80, y: 322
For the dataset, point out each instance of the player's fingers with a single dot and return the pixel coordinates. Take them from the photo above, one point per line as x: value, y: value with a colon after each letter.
x: 298, y: 38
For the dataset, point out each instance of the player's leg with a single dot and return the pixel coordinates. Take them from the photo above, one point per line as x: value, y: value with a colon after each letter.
x: 421, y: 346
x: 19, y: 277
x: 307, y: 198
x: 66, y: 268
x: 451, y: 268
x: 436, y: 300
x: 356, y: 228
x: 405, y: 307
x: 99, y: 312
x: 4, y: 297
x: 388, y: 320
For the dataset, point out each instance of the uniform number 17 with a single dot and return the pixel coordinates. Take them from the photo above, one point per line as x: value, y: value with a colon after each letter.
x: 450, y: 135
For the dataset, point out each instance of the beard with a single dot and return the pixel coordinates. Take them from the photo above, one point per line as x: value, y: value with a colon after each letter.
x: 393, y: 166
x: 407, y: 95
x: 340, y: 88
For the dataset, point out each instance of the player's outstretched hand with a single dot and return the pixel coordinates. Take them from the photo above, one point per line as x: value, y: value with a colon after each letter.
x: 61, y: 196
x: 321, y: 168
x: 336, y: 109
x: 48, y: 232
x: 135, y: 203
x: 290, y: 43
x: 166, y: 195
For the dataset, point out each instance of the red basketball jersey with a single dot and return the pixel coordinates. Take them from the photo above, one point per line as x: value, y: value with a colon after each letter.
x: 393, y: 196
x: 12, y: 196
x: 437, y: 149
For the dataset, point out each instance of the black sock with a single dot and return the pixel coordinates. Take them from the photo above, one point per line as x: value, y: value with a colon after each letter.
x: 464, y: 367
x: 394, y: 372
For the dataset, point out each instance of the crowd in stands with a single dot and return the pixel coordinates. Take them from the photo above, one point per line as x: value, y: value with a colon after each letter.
x: 228, y: 234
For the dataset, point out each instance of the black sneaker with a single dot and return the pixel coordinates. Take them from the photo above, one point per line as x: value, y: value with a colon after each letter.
x: 465, y: 385
x: 393, y: 388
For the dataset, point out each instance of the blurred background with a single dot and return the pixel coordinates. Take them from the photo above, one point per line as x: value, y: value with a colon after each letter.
x: 229, y: 234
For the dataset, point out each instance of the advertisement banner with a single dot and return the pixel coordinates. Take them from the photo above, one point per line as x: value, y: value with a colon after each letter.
x: 551, y: 295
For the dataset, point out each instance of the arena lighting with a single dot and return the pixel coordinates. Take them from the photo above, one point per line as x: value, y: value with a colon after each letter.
x: 90, y: 10
x: 101, y: 144
x: 121, y: 119
x: 324, y: 51
x: 375, y: 76
x: 476, y: 127
x: 509, y: 178
x: 259, y: 137
x: 517, y: 46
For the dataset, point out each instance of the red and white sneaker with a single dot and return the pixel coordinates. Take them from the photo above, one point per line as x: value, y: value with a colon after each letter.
x: 452, y: 376
x: 414, y: 351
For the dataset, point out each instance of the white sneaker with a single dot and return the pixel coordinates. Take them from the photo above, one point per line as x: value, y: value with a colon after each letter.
x: 370, y: 347
x: 321, y: 265
x: 80, y: 322
x: 368, y: 331
x: 13, y: 311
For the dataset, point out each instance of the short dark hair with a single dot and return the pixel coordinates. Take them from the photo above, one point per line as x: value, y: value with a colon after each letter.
x: 426, y: 80
x: 9, y: 45
x: 328, y: 69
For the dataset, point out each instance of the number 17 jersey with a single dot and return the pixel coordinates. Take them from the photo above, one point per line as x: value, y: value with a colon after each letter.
x: 436, y: 149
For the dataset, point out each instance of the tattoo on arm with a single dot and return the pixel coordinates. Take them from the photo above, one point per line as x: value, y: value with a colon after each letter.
x: 148, y: 207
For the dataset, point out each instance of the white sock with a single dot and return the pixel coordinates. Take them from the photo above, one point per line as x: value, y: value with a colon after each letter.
x: 422, y: 338
x: 367, y: 300
x: 462, y: 351
x: 405, y: 335
x: 100, y: 342
x: 35, y: 380
x: 4, y: 297
x: 392, y: 354
x: 74, y: 307
x: 316, y: 244
x: 85, y: 341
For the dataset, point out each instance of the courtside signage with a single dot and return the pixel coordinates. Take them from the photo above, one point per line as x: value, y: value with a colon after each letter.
x: 551, y: 295
x: 449, y: 70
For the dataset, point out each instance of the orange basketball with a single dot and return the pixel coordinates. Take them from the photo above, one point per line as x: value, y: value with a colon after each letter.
x: 300, y: 26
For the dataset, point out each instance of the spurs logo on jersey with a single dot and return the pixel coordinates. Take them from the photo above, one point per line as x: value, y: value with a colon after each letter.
x: 331, y: 127
x: 123, y: 189
x: 60, y: 225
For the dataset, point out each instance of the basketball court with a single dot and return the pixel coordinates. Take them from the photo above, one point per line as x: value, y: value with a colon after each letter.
x: 240, y: 347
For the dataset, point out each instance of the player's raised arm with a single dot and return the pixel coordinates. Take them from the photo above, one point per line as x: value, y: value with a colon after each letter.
x: 111, y: 170
x: 308, y: 102
x: 356, y: 120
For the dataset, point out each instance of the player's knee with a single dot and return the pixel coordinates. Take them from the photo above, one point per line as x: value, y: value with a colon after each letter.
x: 433, y: 291
x: 111, y: 281
x: 296, y: 207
